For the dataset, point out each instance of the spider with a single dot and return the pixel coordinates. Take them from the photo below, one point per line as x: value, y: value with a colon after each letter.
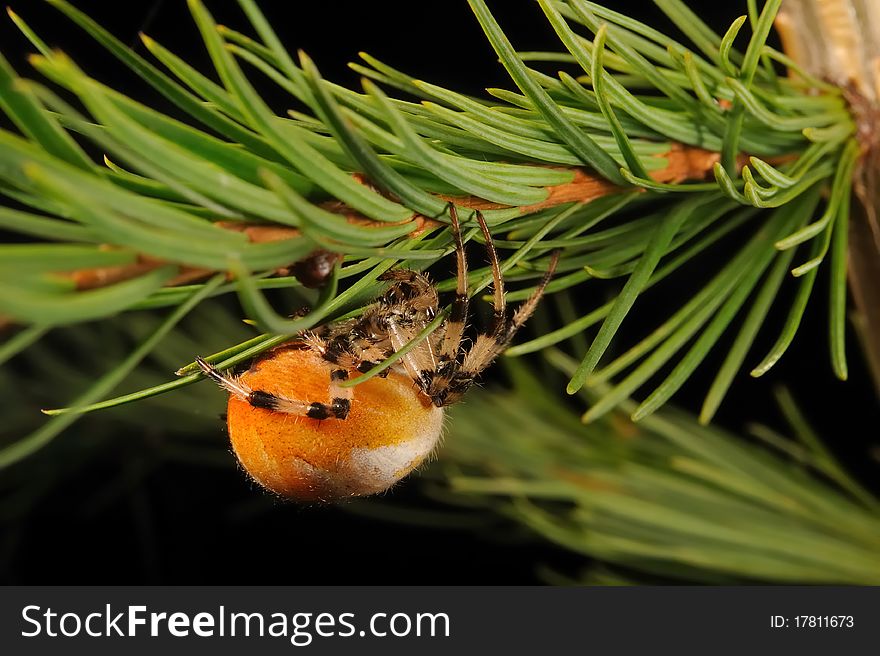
x: 300, y: 433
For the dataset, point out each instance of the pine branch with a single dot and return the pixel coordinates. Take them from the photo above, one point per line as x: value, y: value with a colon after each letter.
x: 606, y: 161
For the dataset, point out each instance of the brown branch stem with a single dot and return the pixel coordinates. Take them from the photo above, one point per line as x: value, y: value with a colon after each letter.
x: 683, y: 163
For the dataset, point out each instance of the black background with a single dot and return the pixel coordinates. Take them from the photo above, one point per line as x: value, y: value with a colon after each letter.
x: 194, y: 525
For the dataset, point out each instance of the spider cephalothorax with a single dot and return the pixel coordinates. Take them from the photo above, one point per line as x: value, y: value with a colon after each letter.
x: 346, y: 441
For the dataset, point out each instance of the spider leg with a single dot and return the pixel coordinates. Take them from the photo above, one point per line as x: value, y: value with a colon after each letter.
x: 408, y: 305
x: 419, y: 363
x: 227, y: 381
x: 458, y: 316
x: 338, y: 408
x: 524, y: 311
x: 446, y: 383
x: 499, y: 302
x: 488, y: 347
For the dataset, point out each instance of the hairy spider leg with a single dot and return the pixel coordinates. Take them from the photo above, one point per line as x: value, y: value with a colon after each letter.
x: 527, y: 309
x: 449, y: 383
x: 338, y: 408
x: 336, y: 348
x: 486, y: 346
x: 483, y: 353
x: 451, y: 344
x: 404, y: 310
x: 499, y: 300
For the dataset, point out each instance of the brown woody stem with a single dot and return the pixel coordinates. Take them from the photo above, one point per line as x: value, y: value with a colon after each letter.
x: 683, y: 163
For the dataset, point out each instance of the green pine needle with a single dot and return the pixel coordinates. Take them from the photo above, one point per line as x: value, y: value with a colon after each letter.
x: 638, y: 98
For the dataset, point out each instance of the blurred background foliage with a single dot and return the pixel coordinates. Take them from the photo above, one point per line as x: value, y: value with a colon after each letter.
x: 667, y: 499
x: 662, y: 500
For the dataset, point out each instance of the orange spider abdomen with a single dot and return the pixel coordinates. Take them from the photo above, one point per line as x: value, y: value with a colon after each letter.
x: 389, y: 431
